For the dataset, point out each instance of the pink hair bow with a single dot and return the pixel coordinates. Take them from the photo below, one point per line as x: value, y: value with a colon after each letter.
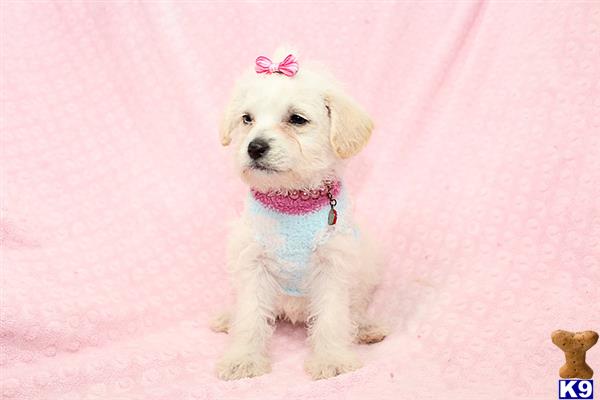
x: 288, y: 67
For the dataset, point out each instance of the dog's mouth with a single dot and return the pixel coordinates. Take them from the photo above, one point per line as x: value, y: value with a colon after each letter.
x: 258, y: 166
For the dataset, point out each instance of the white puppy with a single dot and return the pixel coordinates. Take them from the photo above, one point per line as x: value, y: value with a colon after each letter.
x: 296, y: 253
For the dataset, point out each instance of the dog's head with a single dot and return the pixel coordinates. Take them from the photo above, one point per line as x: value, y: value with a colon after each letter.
x: 291, y: 132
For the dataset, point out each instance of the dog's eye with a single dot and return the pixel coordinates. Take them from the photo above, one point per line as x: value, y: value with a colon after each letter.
x: 297, y: 119
x: 247, y: 119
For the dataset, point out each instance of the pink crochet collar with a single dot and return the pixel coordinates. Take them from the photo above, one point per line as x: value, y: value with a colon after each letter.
x: 297, y: 202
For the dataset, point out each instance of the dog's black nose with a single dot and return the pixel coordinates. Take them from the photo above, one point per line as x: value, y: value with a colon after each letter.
x: 257, y: 148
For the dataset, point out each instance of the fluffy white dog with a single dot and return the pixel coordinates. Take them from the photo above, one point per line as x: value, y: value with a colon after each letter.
x: 296, y: 253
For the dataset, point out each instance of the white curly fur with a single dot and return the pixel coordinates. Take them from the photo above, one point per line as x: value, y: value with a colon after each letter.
x: 344, y: 270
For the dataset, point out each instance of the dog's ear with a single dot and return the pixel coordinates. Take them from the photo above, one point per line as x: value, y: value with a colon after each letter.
x: 227, y: 125
x: 350, y: 127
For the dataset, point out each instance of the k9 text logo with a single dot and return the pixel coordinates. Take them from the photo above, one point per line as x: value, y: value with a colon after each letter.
x: 576, y: 389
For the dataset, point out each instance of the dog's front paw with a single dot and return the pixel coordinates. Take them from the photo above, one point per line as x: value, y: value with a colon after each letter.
x: 242, y: 366
x: 323, y: 366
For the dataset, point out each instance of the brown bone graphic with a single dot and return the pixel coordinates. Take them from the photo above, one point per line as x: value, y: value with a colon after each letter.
x: 575, y: 345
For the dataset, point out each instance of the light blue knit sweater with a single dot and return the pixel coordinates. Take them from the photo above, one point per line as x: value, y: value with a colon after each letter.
x: 292, y: 239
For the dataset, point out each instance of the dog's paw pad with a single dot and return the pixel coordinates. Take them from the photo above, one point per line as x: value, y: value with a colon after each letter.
x: 243, y: 367
x: 369, y: 334
x: 323, y: 367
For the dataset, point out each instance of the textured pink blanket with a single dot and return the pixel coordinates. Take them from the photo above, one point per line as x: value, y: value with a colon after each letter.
x: 482, y: 183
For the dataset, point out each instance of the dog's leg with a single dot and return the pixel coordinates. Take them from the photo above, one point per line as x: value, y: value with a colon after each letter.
x: 331, y: 329
x: 251, y: 325
x: 368, y: 330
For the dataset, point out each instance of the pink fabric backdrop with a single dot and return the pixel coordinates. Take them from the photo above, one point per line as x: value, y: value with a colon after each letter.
x: 482, y: 183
